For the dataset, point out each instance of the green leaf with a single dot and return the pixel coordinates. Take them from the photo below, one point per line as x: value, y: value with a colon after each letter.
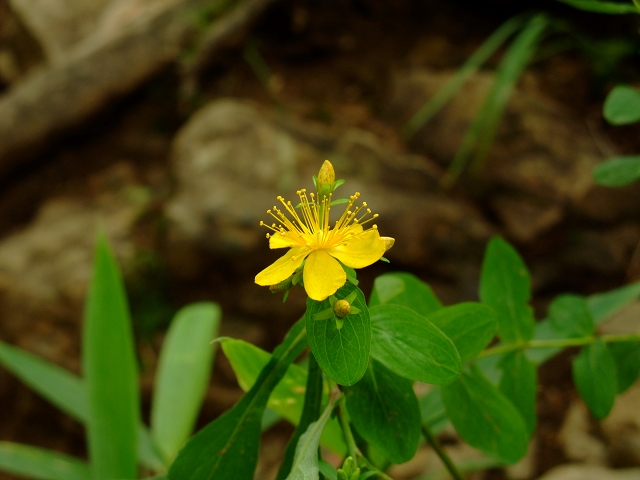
x: 327, y: 470
x: 411, y: 346
x: 228, y: 446
x: 61, y: 387
x: 594, y: 373
x: 485, y: 418
x: 343, y: 353
x: 40, y: 464
x: 570, y: 316
x: 505, y: 285
x: 618, y: 171
x: 626, y: 356
x: 305, y: 462
x: 110, y: 370
x: 470, y: 326
x: 385, y: 412
x: 597, y: 6
x: 622, y: 105
x: 519, y: 383
x: 432, y: 410
x: 406, y: 290
x: 287, y: 399
x: 310, y: 413
x: 182, y: 378
x: 603, y: 305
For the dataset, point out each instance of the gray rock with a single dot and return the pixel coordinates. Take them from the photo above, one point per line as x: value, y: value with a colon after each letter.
x: 231, y: 161
x: 590, y: 472
x: 45, y: 268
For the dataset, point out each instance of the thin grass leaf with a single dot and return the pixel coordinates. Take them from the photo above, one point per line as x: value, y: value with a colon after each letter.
x: 110, y: 370
x: 59, y: 386
x: 183, y: 375
x: 41, y: 464
x: 610, y: 8
x: 484, y: 127
x: 471, y: 66
x: 67, y: 392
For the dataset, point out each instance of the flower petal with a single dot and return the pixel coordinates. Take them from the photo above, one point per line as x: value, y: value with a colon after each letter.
x: 323, y: 275
x: 282, y: 240
x: 360, y: 250
x: 282, y: 268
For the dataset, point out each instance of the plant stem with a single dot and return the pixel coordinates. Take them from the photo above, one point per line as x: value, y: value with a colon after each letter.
x: 352, y: 448
x: 557, y: 343
x: 371, y: 467
x: 448, y: 463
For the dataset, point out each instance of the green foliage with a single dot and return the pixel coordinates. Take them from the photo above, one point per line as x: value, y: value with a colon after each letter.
x: 41, y: 464
x: 385, y: 412
x: 406, y: 290
x: 519, y: 383
x: 470, y: 326
x: 622, y: 105
x: 485, y: 418
x: 505, y: 285
x: 599, y: 6
x: 570, y: 316
x: 594, y: 372
x: 287, y: 398
x: 342, y: 352
x: 311, y: 412
x: 305, y: 462
x: 110, y: 368
x: 411, y: 346
x: 228, y: 446
x: 183, y: 374
x: 626, y: 356
x: 618, y: 171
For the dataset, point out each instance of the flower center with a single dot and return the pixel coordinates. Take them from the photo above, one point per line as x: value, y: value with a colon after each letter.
x: 311, y: 227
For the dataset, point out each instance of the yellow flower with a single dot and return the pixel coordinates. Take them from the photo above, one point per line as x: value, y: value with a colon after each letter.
x: 309, y: 236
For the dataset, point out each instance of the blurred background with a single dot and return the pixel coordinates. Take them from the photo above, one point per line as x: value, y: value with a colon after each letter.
x: 174, y: 124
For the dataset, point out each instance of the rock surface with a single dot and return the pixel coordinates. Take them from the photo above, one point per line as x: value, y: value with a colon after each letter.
x: 231, y: 161
x: 45, y: 268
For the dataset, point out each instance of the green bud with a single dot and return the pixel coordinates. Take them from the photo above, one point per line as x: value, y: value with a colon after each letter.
x: 342, y: 475
x: 347, y: 466
x: 326, y: 179
x: 355, y: 475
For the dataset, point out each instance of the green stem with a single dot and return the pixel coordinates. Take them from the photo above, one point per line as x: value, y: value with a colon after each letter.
x: 352, y: 448
x: 557, y: 343
x: 372, y: 467
x: 448, y: 463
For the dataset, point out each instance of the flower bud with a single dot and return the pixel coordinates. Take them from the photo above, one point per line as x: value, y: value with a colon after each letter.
x: 388, y: 242
x: 326, y: 179
x: 341, y: 308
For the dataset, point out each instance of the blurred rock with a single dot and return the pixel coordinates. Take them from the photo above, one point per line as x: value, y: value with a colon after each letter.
x: 59, y: 24
x: 590, y: 472
x: 231, y: 161
x: 576, y: 439
x: 45, y: 268
x: 541, y: 150
x: 106, y: 50
x: 622, y: 429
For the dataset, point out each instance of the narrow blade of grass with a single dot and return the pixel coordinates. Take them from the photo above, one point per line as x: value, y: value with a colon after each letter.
x: 610, y: 8
x: 471, y: 66
x: 110, y: 371
x: 41, y: 464
x: 484, y: 127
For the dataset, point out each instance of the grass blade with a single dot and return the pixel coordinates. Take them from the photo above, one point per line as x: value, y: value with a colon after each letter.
x: 40, y: 464
x: 610, y: 8
x: 471, y: 66
x: 110, y: 371
x: 61, y: 387
x: 183, y: 375
x: 484, y: 127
